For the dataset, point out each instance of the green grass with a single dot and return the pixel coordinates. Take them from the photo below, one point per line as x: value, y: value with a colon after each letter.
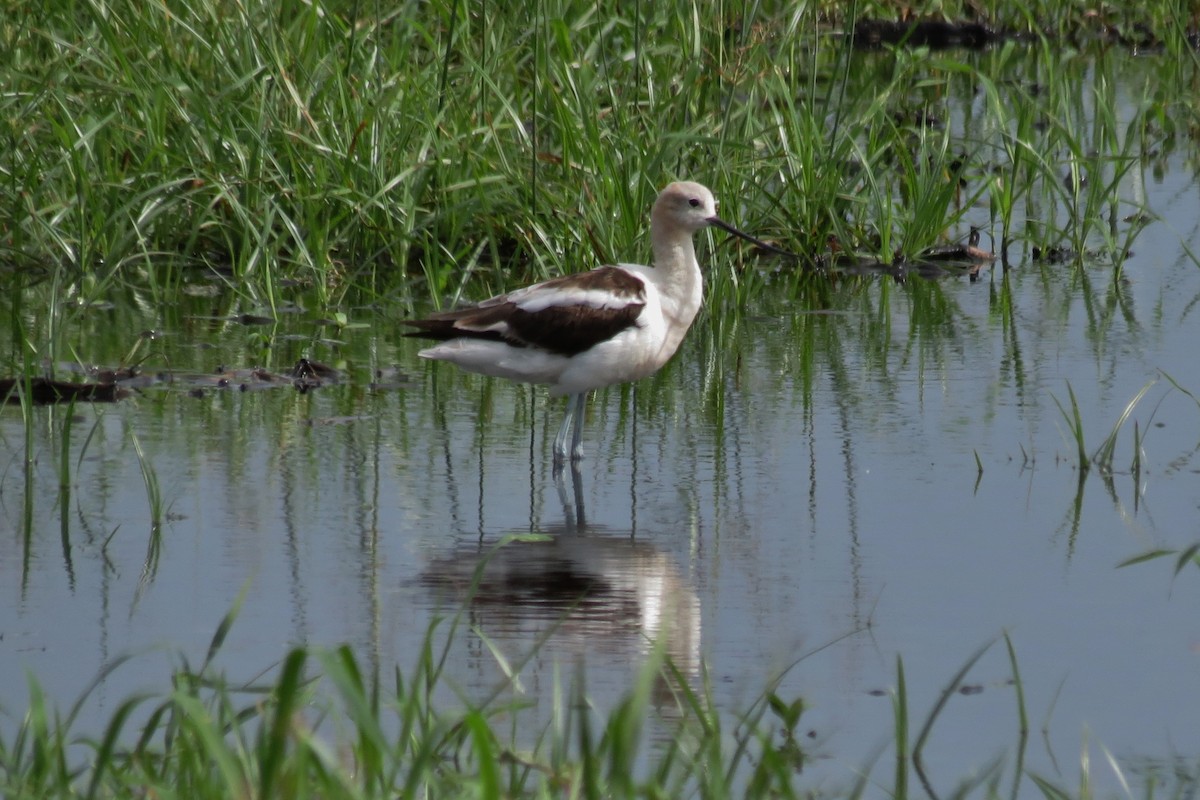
x: 323, y: 157
x: 323, y: 726
x: 1103, y: 457
x: 426, y: 151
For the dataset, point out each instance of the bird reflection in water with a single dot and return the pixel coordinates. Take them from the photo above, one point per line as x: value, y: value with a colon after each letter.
x: 585, y: 589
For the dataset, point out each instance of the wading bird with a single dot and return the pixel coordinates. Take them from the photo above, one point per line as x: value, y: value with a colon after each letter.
x: 592, y: 329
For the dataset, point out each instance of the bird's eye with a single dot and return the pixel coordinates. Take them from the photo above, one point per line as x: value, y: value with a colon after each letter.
x: 694, y: 202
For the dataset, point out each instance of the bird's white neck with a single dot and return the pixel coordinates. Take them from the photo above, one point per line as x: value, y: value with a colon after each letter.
x: 679, y: 283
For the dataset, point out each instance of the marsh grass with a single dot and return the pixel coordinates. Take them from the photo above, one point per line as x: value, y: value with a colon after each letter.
x: 65, y: 483
x: 432, y: 152
x: 1103, y: 456
x: 1184, y: 557
x: 430, y: 155
x: 325, y: 726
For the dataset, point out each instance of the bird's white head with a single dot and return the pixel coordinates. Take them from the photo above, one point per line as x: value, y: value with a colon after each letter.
x: 685, y: 205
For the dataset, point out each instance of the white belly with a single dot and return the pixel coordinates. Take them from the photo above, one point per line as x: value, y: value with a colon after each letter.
x: 631, y: 355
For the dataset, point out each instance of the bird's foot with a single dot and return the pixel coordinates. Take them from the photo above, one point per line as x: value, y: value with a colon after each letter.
x: 560, y: 461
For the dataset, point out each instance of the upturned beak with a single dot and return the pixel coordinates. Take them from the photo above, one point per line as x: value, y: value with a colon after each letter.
x: 770, y: 248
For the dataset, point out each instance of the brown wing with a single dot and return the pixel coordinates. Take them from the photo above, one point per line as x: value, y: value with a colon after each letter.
x: 566, y: 315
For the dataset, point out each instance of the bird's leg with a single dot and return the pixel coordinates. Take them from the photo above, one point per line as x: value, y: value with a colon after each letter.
x: 577, y: 486
x: 560, y: 441
x: 568, y: 510
x: 580, y: 403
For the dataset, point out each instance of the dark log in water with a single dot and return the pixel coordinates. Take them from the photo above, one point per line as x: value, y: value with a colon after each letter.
x: 939, y: 35
x: 44, y: 391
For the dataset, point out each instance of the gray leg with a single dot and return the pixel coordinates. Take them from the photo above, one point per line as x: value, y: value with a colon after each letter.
x: 572, y: 504
x: 580, y: 402
x: 560, y: 441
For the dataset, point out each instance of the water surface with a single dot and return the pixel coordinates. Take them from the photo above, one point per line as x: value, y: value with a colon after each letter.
x: 824, y: 489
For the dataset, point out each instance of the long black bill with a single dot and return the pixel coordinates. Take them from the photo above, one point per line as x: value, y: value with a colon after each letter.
x: 770, y: 248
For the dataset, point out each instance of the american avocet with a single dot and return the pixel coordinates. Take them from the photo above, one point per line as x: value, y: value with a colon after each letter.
x: 592, y: 329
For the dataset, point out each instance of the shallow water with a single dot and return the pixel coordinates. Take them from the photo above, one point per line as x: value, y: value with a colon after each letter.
x: 798, y: 491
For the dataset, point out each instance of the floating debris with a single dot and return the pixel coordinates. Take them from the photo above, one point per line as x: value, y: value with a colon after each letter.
x: 314, y: 369
x: 100, y: 384
x: 46, y: 391
x: 936, y: 34
x: 254, y: 319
